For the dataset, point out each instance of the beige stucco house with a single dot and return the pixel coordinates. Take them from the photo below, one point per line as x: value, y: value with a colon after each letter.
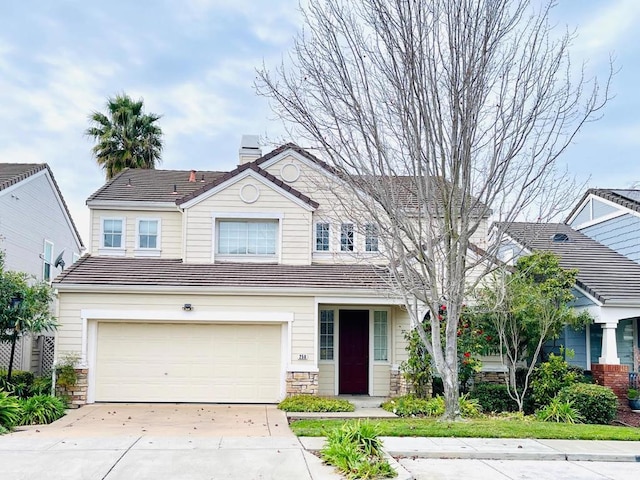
x: 242, y: 286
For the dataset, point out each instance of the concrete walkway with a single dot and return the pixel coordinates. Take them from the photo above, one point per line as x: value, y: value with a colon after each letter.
x: 161, y: 442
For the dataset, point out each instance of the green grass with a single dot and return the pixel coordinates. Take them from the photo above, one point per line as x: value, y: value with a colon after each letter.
x: 479, y: 428
x: 312, y: 403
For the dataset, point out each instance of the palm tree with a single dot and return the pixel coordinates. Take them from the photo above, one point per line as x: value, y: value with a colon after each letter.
x: 125, y: 137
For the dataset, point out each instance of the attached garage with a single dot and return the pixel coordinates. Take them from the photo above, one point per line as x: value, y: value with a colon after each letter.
x: 188, y: 362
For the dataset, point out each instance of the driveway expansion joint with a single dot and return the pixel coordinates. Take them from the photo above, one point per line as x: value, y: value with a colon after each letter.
x: 121, y: 457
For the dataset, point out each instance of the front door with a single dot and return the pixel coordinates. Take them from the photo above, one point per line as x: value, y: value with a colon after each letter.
x: 353, y: 370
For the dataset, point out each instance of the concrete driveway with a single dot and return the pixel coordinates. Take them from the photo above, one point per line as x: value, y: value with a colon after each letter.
x: 161, y: 441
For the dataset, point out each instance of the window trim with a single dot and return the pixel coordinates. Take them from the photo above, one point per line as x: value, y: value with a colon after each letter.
x: 145, y: 251
x: 353, y: 237
x: 46, y: 262
x: 334, y: 357
x: 387, y: 336
x: 315, y: 237
x: 116, y: 251
x: 370, y: 228
x: 246, y: 216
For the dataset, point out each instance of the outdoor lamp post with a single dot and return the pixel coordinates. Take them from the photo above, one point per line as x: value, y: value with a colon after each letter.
x: 14, y: 307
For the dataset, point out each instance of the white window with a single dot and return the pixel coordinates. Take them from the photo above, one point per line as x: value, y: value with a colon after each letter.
x: 371, y: 237
x: 322, y: 237
x: 247, y: 237
x: 112, y: 229
x: 326, y: 334
x: 47, y: 258
x: 346, y: 237
x: 148, y: 234
x: 380, y: 336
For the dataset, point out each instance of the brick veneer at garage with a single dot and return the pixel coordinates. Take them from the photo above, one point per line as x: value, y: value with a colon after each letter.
x: 305, y: 383
x: 77, y: 394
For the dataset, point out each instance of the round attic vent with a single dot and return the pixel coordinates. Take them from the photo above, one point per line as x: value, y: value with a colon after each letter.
x: 249, y: 193
x: 559, y: 237
x: 290, y: 172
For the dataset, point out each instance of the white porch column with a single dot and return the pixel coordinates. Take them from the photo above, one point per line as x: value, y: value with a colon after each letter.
x: 609, y: 346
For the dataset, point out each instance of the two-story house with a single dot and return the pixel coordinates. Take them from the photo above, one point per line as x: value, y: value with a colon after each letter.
x: 38, y: 237
x: 240, y: 286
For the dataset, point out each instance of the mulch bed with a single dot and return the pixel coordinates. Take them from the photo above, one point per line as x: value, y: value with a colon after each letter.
x: 627, y: 417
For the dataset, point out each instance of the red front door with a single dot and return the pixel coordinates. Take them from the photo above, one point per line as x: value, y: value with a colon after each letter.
x: 353, y: 367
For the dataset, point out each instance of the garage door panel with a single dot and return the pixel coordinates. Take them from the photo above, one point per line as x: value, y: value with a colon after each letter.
x: 188, y: 363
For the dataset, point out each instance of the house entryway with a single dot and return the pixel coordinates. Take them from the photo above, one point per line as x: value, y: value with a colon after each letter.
x: 353, y: 369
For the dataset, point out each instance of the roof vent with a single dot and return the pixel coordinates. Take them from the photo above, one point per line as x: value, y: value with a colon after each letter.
x: 249, y: 149
x: 559, y: 237
x: 192, y: 176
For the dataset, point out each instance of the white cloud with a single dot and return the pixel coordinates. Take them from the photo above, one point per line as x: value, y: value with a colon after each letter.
x: 604, y: 29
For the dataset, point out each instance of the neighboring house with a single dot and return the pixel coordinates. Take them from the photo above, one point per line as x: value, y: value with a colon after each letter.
x: 608, y: 287
x: 242, y: 286
x: 611, y: 217
x: 36, y: 229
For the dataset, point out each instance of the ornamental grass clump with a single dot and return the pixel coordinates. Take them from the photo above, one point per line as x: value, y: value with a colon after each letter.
x: 41, y: 409
x: 355, y: 449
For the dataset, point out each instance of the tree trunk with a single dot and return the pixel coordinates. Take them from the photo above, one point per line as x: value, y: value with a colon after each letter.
x: 14, y: 338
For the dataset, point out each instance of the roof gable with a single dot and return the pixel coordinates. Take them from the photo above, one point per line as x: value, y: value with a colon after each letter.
x: 248, y: 169
x: 628, y: 200
x: 14, y: 173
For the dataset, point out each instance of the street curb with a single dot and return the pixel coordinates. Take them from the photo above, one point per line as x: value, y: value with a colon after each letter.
x: 570, y: 457
x: 403, y: 473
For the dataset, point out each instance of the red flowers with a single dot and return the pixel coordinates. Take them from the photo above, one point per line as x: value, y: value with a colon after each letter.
x: 467, y: 354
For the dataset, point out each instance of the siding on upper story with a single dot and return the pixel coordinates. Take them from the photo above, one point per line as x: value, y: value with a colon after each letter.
x: 170, y: 231
x: 295, y: 225
x: 621, y: 234
x: 31, y: 213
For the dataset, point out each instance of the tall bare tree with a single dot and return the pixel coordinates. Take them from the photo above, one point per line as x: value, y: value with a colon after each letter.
x: 438, y: 114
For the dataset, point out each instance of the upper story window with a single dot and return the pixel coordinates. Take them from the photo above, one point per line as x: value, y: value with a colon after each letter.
x: 147, y: 237
x: 47, y: 258
x: 371, y: 237
x: 247, y: 237
x: 112, y: 229
x: 322, y: 237
x: 148, y: 233
x: 346, y: 237
x: 112, y: 240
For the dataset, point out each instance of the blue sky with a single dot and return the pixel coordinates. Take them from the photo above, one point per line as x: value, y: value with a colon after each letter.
x: 193, y: 61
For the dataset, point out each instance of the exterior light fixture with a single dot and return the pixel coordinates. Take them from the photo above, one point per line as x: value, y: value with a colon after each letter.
x: 187, y: 307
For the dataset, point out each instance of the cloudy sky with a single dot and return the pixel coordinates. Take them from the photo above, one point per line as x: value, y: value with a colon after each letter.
x: 193, y: 61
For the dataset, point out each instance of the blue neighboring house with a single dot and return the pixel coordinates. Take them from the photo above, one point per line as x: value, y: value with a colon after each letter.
x: 608, y: 287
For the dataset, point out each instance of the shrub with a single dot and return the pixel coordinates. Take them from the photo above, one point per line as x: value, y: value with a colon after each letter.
x: 20, y: 384
x: 41, y: 409
x: 19, y: 376
x: 417, y: 368
x: 41, y: 386
x: 493, y: 397
x: 66, y: 376
x: 354, y: 448
x: 409, y: 406
x: 311, y: 403
x: 560, y: 412
x: 596, y: 403
x: 550, y: 377
x: 10, y: 410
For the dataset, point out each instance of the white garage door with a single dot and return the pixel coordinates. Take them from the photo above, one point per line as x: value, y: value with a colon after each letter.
x: 165, y: 362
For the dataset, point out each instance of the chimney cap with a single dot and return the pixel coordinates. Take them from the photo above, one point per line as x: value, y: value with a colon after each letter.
x: 250, y: 142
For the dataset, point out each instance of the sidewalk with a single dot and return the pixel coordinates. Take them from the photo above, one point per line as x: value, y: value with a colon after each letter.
x: 502, y: 448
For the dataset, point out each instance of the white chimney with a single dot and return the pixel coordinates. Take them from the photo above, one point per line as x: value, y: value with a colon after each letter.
x: 249, y: 149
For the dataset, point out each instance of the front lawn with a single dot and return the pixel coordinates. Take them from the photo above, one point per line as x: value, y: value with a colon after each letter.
x: 483, y: 427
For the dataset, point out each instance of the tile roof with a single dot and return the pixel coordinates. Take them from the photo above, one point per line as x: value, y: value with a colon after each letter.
x: 627, y: 198
x: 606, y: 275
x: 12, y: 173
x: 142, y: 185
x: 124, y: 271
x: 255, y: 168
